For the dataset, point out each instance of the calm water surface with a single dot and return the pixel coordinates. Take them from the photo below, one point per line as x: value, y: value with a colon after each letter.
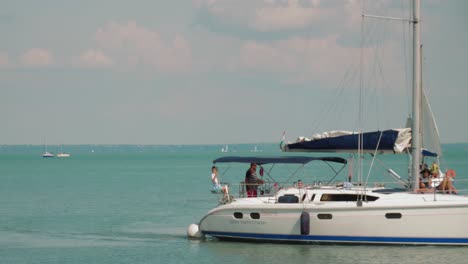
x: 125, y: 204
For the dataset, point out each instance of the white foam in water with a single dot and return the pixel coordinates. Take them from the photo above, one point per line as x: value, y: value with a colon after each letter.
x: 10, y: 239
x: 149, y: 229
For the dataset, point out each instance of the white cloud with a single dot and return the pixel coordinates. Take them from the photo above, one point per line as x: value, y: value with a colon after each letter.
x: 92, y: 59
x: 305, y: 59
x: 290, y: 16
x: 298, y: 57
x: 283, y: 15
x: 131, y: 45
x: 36, y: 57
x: 265, y: 57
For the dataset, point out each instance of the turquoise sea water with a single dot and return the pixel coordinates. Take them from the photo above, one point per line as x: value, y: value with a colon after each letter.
x: 132, y: 204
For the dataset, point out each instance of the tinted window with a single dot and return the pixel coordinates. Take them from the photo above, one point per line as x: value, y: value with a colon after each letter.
x: 255, y: 215
x: 238, y: 215
x: 288, y: 198
x: 331, y: 197
x: 324, y: 216
x: 393, y: 215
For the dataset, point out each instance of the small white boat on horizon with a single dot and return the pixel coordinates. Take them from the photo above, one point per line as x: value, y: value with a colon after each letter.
x: 225, y: 148
x: 47, y: 154
x: 63, y: 155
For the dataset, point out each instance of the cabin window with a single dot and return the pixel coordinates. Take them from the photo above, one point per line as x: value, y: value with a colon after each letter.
x: 255, y: 215
x: 238, y: 215
x: 335, y: 197
x: 324, y: 216
x: 393, y: 215
x: 288, y: 198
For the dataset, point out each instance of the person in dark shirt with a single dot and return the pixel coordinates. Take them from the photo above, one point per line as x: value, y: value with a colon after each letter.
x: 425, y: 180
x: 251, y: 180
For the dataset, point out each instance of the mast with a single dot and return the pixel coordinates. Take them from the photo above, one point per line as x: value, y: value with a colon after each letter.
x: 416, y: 127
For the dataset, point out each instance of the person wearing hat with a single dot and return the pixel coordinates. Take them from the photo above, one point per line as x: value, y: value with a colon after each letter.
x: 425, y: 180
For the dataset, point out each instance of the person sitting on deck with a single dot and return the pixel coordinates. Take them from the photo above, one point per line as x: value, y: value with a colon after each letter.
x: 217, y: 187
x: 425, y: 180
x: 434, y: 168
x: 446, y: 185
x: 251, y: 181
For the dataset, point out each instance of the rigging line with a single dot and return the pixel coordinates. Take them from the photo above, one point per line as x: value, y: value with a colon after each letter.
x: 325, y: 111
x: 372, y: 35
x: 225, y: 170
x: 268, y: 174
x: 295, y: 172
x: 382, y: 76
x: 372, y: 74
x: 336, y: 173
x: 373, y: 159
x: 271, y: 168
x: 377, y: 37
x: 406, y: 58
x: 387, y: 168
x: 361, y: 83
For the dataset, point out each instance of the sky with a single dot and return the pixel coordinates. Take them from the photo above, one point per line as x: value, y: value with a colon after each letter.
x: 222, y: 71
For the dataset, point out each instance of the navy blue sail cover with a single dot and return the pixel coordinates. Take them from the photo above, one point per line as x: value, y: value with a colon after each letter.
x: 348, y: 143
x: 284, y: 159
x: 427, y: 153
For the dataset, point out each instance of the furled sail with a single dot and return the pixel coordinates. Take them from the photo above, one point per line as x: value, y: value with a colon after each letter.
x: 387, y: 141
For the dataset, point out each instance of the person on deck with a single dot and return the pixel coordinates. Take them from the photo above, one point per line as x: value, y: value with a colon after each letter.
x: 447, y: 183
x: 434, y: 168
x: 300, y: 185
x: 425, y: 180
x: 251, y: 181
x: 217, y: 187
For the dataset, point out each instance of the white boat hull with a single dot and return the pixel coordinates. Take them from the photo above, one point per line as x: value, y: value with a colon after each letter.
x: 47, y: 155
x: 440, y: 222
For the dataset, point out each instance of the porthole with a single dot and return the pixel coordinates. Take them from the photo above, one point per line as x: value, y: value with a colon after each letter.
x: 255, y: 215
x: 393, y: 215
x: 238, y: 215
x: 324, y: 216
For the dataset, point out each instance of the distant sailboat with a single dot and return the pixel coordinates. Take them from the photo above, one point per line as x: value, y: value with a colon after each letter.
x: 46, y: 153
x: 63, y: 154
x: 225, y: 148
x: 255, y: 149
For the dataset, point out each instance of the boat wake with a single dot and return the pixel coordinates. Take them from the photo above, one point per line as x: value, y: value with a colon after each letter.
x: 124, y: 238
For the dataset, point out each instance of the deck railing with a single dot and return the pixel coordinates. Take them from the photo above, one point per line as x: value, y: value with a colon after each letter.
x: 269, y: 189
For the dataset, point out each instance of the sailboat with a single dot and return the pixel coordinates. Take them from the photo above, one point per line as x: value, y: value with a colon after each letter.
x: 225, y: 148
x: 348, y: 213
x: 255, y: 149
x: 63, y: 154
x: 47, y: 154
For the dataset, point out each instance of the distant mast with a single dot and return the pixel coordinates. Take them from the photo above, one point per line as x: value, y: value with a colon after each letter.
x: 416, y: 126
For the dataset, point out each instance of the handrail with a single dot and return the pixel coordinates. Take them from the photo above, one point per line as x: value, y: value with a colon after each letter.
x: 270, y: 189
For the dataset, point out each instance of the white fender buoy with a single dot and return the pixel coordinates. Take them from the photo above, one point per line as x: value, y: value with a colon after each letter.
x: 193, y: 232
